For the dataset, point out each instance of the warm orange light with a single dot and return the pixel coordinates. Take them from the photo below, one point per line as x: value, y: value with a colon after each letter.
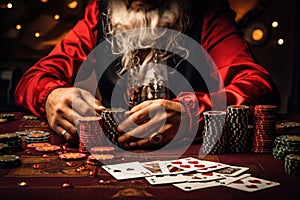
x: 44, y: 1
x: 9, y: 5
x: 56, y: 17
x: 275, y: 24
x: 18, y: 27
x: 257, y: 34
x: 37, y: 34
x: 280, y: 41
x: 73, y: 4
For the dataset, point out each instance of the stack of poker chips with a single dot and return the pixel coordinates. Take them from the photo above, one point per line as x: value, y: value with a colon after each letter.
x: 111, y: 118
x: 37, y: 137
x: 237, y: 128
x: 12, y: 140
x: 214, y: 138
x: 292, y: 164
x: 264, y: 128
x: 3, y: 149
x: 286, y: 144
x: 9, y: 161
x: 101, y: 155
x: 90, y: 133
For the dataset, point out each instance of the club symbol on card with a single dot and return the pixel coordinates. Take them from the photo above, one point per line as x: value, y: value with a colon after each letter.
x: 129, y: 169
x: 116, y: 170
x: 188, y: 188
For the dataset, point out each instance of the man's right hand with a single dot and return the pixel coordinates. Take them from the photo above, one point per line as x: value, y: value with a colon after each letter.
x: 64, y: 106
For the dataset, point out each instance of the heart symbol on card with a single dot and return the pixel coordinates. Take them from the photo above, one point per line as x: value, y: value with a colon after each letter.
x: 177, y: 162
x: 251, y: 186
x: 199, y: 166
x: 269, y: 183
x: 185, y: 166
x: 238, y: 182
x: 193, y: 162
x: 207, y: 174
x: 255, y: 181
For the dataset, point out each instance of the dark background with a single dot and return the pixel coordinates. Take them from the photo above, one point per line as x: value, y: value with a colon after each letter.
x: 20, y: 49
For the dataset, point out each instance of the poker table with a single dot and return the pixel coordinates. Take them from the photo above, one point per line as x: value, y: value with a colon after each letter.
x: 54, y: 179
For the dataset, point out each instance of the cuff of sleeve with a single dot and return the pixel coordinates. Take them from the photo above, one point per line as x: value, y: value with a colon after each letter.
x: 47, y: 90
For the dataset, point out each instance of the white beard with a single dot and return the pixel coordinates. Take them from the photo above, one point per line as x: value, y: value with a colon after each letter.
x: 123, y: 19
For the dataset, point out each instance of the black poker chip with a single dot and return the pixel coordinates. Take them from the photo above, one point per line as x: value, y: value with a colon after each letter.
x: 9, y: 161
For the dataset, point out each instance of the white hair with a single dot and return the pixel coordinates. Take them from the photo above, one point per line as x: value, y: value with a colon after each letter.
x: 144, y: 22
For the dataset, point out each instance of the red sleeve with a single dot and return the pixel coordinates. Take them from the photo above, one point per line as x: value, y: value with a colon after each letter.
x: 59, y: 68
x: 245, y: 82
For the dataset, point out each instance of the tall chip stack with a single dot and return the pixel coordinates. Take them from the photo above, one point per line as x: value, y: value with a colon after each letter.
x: 264, y: 128
x: 90, y: 133
x: 111, y: 118
x: 292, y: 164
x: 285, y: 145
x: 214, y: 138
x: 237, y: 128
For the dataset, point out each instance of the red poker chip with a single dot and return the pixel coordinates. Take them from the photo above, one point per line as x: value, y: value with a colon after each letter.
x: 50, y: 148
x: 102, y: 149
x: 41, y: 144
x: 72, y: 156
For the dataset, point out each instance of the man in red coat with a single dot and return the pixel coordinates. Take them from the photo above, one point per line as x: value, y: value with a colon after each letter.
x: 47, y: 88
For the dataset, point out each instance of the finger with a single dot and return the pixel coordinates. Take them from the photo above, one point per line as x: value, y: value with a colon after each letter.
x: 141, y: 131
x: 140, y: 106
x: 134, y: 120
x: 98, y: 106
x: 83, y: 108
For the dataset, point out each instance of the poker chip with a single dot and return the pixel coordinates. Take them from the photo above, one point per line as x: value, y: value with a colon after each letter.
x: 50, y: 148
x: 286, y: 144
x: 4, y: 149
x: 13, y: 140
x: 9, y: 161
x: 214, y: 137
x: 264, y: 129
x: 90, y: 133
x: 34, y: 136
x: 111, y: 118
x: 7, y: 116
x: 30, y: 117
x: 98, y: 159
x: 103, y: 150
x: 292, y: 164
x: 238, y: 133
x: 72, y: 156
x: 42, y: 144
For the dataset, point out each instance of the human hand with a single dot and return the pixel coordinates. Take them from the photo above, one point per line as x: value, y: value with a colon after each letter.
x: 64, y: 106
x: 152, y: 121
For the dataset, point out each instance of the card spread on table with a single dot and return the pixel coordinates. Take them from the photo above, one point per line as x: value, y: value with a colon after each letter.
x: 192, y: 164
x: 189, y: 174
x: 232, y: 170
x: 127, y: 170
x: 251, y: 184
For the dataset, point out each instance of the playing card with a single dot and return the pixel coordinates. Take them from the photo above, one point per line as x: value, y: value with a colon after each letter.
x: 192, y: 164
x: 230, y: 179
x: 232, y: 170
x: 156, y: 167
x: 166, y: 179
x: 204, y: 177
x: 189, y: 186
x: 252, y: 184
x: 127, y: 170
